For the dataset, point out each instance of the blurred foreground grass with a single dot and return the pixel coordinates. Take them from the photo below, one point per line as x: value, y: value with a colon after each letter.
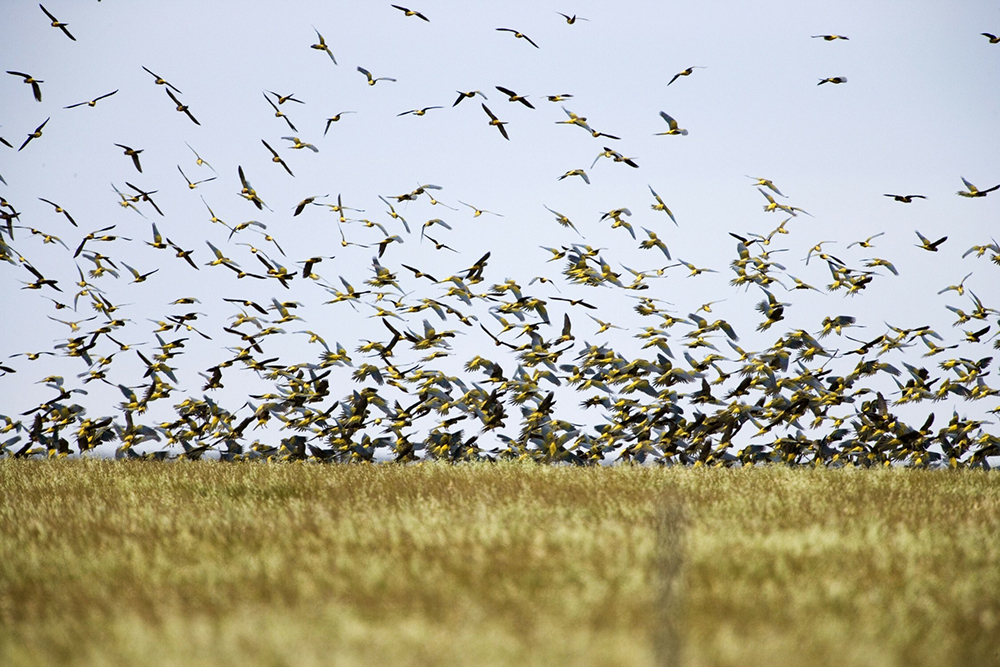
x: 200, y: 563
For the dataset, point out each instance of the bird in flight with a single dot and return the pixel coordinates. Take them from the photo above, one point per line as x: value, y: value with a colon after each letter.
x: 333, y: 119
x: 160, y: 81
x: 469, y: 94
x: 576, y: 172
x: 278, y: 113
x: 974, y: 191
x: 33, y: 82
x: 183, y: 108
x: 410, y: 12
x: 34, y: 135
x: 571, y: 19
x: 514, y: 97
x: 833, y: 79
x: 767, y: 183
x: 993, y: 38
x: 322, y: 46
x: 927, y: 244
x: 499, y: 124
x: 906, y: 199
x: 688, y: 72
x: 674, y: 129
x: 418, y: 112
x: 56, y: 23
x: 93, y: 102
x: 193, y: 185
x: 277, y: 158
x: 519, y: 35
x: 134, y: 154
x: 372, y: 80
x: 830, y: 38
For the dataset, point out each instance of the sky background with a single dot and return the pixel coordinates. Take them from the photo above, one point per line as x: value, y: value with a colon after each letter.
x: 919, y: 111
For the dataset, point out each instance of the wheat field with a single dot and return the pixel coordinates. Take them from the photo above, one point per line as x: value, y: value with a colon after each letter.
x: 199, y: 563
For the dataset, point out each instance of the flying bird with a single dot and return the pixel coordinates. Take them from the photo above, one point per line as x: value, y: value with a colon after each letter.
x: 906, y: 199
x: 160, y: 81
x: 993, y: 38
x: 194, y: 184
x: 688, y: 72
x: 519, y: 35
x: 674, y: 129
x: 56, y: 23
x: 372, y: 80
x: 329, y: 121
x: 928, y: 245
x: 183, y: 108
x: 571, y: 19
x: 833, y: 79
x: 499, y: 124
x: 418, y: 112
x: 322, y: 46
x: 278, y: 113
x: 32, y: 81
x: 277, y: 158
x: 134, y: 154
x: 410, y: 12
x: 34, y: 135
x: 93, y: 102
x: 830, y: 38
x: 974, y: 191
x: 469, y: 94
x: 514, y: 97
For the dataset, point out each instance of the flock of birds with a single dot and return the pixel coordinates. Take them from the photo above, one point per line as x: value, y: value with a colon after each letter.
x: 692, y: 395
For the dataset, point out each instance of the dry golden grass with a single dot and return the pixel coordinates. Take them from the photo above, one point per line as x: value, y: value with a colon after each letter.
x: 138, y: 563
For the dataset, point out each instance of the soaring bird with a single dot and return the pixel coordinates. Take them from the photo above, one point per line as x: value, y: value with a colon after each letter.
x: 33, y: 82
x: 134, y: 154
x: 34, y: 135
x: 674, y: 129
x: 660, y: 206
x: 322, y: 46
x: 418, y: 112
x: 276, y: 158
x: 285, y: 98
x: 499, y: 124
x: 410, y: 12
x: 833, y: 79
x: 830, y: 38
x: 571, y: 19
x: 332, y: 119
x: 993, y: 38
x: 298, y: 144
x: 93, y: 102
x: 688, y: 72
x: 372, y: 80
x: 767, y: 183
x: 194, y: 184
x: 56, y: 23
x: 576, y: 172
x: 927, y: 244
x: 183, y: 108
x: 60, y: 209
x: 906, y: 199
x: 470, y: 94
x: 974, y: 191
x: 160, y: 81
x: 278, y: 113
x: 514, y: 97
x: 519, y: 35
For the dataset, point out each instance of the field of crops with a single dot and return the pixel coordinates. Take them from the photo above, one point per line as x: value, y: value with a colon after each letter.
x: 201, y: 563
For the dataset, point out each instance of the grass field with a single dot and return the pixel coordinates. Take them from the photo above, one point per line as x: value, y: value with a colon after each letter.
x: 200, y: 563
